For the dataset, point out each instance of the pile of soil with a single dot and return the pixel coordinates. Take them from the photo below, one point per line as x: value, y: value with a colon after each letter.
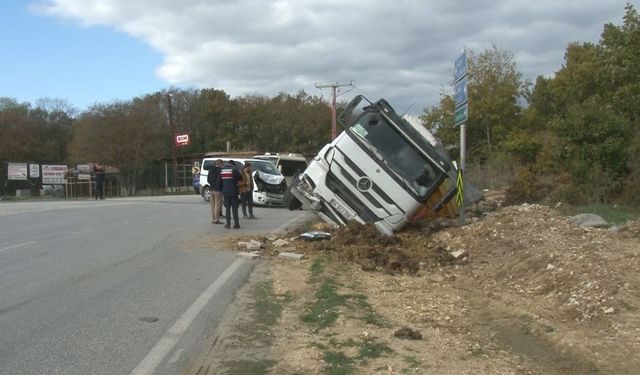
x: 519, y: 290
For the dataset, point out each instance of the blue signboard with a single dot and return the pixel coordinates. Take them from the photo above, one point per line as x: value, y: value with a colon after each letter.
x: 461, y: 114
x: 460, y: 91
x: 460, y: 68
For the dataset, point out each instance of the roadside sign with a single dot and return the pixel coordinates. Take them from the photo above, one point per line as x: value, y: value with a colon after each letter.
x: 53, y: 174
x: 460, y: 68
x: 17, y: 171
x: 34, y: 170
x: 84, y: 168
x: 461, y: 114
x: 460, y: 91
x: 182, y: 140
x: 460, y: 187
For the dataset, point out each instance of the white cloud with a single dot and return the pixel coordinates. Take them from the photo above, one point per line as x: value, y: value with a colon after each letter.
x: 402, y: 50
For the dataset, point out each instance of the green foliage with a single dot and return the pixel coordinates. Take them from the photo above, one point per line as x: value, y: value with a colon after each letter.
x: 611, y: 213
x: 324, y: 311
x: 523, y: 147
x: 595, y: 152
x: 495, y: 86
x: 338, y: 363
x: 37, y: 134
x: 526, y: 187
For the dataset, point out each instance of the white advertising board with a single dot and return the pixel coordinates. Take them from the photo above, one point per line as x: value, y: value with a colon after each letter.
x: 34, y: 171
x: 53, y: 174
x: 17, y: 171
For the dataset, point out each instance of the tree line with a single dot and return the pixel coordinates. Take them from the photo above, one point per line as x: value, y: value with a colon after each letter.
x: 135, y: 135
x: 573, y: 136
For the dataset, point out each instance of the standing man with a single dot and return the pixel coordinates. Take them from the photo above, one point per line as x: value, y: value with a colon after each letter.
x: 228, y: 184
x: 215, y: 197
x: 246, y: 191
x: 98, y: 173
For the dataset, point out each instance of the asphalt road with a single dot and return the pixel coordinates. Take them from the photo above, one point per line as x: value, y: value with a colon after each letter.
x: 120, y: 286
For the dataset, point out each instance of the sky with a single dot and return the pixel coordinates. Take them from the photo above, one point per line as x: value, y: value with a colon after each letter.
x: 99, y: 51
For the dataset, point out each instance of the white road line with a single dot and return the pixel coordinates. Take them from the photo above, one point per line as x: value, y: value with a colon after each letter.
x: 17, y: 245
x: 173, y: 334
x: 82, y: 231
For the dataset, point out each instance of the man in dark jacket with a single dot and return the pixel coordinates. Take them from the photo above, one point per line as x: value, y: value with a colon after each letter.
x: 215, y: 197
x: 98, y: 171
x: 228, y: 185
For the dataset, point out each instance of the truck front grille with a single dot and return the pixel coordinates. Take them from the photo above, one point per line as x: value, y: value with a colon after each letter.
x: 338, y: 188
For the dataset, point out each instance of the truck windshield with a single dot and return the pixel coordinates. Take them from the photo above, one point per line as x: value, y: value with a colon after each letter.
x: 396, y: 153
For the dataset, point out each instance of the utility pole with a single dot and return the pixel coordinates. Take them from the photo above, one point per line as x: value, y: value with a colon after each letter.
x: 334, y: 87
x: 172, y: 128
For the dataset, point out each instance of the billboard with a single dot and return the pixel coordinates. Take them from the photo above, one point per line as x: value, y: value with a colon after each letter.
x: 17, y: 171
x: 34, y: 171
x: 53, y: 174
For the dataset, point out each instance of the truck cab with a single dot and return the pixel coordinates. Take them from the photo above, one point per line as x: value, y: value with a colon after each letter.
x: 381, y: 169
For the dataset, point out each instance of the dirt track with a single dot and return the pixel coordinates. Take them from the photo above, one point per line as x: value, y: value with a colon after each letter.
x: 526, y: 293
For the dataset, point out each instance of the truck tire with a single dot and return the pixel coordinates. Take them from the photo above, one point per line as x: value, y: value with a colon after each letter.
x: 290, y: 201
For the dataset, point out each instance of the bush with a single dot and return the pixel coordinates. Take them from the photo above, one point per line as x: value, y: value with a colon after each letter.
x: 527, y: 187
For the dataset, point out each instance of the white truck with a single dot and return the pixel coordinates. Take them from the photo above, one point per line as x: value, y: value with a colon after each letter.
x: 381, y: 169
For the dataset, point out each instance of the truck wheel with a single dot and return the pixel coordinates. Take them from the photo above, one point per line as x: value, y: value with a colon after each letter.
x: 206, y: 194
x: 290, y: 201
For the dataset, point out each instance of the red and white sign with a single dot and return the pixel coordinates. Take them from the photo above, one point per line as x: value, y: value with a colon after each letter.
x: 53, y: 174
x: 183, y: 140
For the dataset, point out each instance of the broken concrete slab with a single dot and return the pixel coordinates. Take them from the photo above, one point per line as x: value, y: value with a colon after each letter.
x: 280, y: 242
x: 458, y: 254
x: 271, y: 237
x: 250, y: 256
x: 291, y: 256
x: 254, y: 246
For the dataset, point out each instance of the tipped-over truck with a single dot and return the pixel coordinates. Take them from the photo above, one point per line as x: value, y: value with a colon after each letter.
x: 381, y: 169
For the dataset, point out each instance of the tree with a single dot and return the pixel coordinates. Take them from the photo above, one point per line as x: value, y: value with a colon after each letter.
x: 495, y: 88
x: 126, y: 135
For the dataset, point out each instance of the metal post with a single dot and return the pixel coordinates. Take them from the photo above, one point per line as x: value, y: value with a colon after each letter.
x: 334, y: 88
x: 463, y: 153
x: 333, y: 114
x: 173, y: 144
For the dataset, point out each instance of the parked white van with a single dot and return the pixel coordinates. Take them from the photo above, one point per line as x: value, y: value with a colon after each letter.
x: 287, y: 163
x: 269, y: 184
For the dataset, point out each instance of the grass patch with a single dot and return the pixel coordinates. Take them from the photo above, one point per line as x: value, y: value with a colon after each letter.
x: 611, y: 213
x: 338, y: 363
x: 375, y: 319
x: 317, y: 268
x: 324, y: 311
x: 413, y: 365
x: 373, y: 349
x: 249, y: 367
x: 266, y: 309
x: 268, y: 306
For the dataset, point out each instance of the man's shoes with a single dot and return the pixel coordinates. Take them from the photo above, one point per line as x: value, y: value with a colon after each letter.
x: 245, y: 216
x: 237, y: 226
x: 227, y: 226
x: 217, y: 222
x: 252, y: 217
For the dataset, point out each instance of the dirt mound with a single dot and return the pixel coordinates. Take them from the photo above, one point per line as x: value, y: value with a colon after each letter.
x: 517, y: 288
x: 531, y: 249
